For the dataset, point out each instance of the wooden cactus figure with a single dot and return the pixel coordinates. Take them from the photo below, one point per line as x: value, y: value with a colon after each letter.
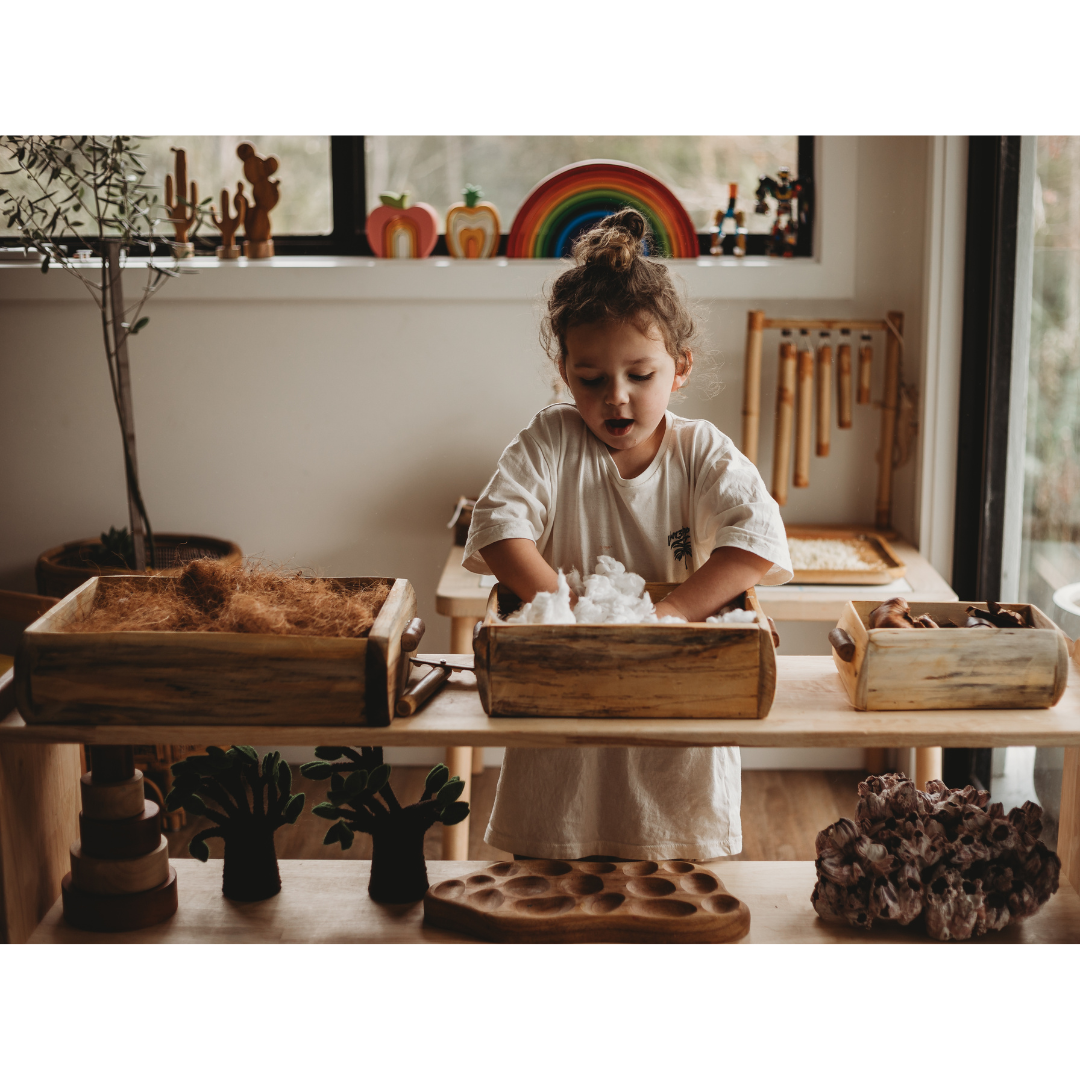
x: 228, y: 225
x: 183, y: 206
x: 398, y: 870
x: 265, y: 194
x: 246, y: 823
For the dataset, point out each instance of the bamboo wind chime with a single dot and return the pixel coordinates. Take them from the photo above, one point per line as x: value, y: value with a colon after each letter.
x: 804, y: 395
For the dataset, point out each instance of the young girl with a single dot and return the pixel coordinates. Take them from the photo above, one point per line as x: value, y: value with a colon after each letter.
x: 672, y: 499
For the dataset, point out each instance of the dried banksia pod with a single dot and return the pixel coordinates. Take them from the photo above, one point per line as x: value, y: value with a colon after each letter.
x: 945, y: 855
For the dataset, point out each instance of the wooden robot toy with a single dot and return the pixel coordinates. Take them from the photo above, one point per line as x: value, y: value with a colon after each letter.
x: 784, y: 189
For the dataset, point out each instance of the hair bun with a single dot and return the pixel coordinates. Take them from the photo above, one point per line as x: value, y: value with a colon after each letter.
x: 615, y: 243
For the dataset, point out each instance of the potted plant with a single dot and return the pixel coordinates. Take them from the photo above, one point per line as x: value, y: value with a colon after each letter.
x: 360, y: 799
x: 87, y: 193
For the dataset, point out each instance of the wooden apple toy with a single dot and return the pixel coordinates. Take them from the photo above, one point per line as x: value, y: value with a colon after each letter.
x: 396, y: 230
x: 472, y: 227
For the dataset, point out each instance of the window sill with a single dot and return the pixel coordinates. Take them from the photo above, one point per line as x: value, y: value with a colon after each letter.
x: 338, y: 278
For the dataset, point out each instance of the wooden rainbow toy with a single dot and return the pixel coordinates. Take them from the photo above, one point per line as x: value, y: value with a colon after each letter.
x: 572, y: 199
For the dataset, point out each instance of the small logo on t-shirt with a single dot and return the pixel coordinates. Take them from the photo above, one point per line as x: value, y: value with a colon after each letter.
x: 679, y: 542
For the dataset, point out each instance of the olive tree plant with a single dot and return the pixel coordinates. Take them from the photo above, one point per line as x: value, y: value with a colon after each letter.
x: 88, y: 192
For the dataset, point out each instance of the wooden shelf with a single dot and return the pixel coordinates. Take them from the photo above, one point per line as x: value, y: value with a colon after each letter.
x: 325, y: 901
x: 460, y: 594
x: 810, y: 709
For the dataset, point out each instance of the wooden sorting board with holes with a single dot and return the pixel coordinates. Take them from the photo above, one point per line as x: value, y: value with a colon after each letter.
x: 547, y: 900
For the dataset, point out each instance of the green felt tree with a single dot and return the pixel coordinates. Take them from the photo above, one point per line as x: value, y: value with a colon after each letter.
x: 253, y: 803
x: 360, y: 799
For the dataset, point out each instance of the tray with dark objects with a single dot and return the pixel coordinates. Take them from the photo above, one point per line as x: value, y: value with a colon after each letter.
x: 958, y: 655
x: 549, y: 900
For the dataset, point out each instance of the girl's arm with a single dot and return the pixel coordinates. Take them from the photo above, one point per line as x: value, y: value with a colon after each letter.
x: 729, y: 571
x: 519, y: 565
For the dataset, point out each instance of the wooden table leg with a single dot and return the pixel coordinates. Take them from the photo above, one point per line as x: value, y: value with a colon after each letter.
x: 39, y: 821
x: 927, y: 765
x: 460, y: 760
x: 1068, y: 843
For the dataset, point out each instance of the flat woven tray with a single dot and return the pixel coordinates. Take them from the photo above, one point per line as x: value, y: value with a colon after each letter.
x: 870, y: 546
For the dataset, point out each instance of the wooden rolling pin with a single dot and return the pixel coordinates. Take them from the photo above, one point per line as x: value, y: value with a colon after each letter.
x: 843, y: 382
x: 824, y: 395
x: 866, y: 360
x: 804, y: 419
x: 410, y: 701
x: 785, y: 411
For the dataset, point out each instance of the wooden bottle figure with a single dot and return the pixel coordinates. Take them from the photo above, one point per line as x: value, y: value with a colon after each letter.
x: 265, y: 194
x: 398, y: 230
x: 230, y: 249
x: 472, y: 226
x: 184, y: 208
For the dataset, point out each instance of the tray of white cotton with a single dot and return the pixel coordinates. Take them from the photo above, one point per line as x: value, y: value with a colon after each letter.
x: 833, y: 555
x: 609, y: 655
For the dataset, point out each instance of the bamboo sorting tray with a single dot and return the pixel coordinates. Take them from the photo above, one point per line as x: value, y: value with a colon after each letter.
x: 872, y: 545
x: 170, y: 678
x: 958, y: 668
x: 546, y: 900
x: 692, y: 670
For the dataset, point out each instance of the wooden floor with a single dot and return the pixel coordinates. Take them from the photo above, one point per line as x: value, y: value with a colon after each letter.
x: 782, y: 813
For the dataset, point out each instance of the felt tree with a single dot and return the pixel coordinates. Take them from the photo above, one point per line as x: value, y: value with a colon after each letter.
x: 253, y: 803
x: 360, y: 799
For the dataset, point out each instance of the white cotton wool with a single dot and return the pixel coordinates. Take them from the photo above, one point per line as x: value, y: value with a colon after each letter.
x: 736, y: 615
x: 551, y: 608
x: 610, y: 595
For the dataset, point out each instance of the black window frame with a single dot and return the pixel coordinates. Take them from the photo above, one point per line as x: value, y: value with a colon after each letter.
x: 348, y: 193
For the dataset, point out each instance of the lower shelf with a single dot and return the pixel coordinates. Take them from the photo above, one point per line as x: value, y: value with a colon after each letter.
x: 326, y: 901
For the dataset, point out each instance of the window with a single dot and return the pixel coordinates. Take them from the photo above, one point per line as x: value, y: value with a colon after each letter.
x: 329, y: 183
x: 698, y: 169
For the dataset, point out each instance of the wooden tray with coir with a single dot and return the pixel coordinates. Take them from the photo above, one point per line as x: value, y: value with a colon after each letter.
x: 546, y: 900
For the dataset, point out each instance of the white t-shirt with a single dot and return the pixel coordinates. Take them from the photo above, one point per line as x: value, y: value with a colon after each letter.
x: 557, y: 484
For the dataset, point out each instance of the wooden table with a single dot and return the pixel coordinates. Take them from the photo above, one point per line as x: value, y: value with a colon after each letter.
x: 461, y: 596
x: 326, y: 902
x: 38, y: 788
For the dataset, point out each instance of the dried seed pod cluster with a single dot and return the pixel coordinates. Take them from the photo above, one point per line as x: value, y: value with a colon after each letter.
x: 942, y: 855
x: 896, y: 614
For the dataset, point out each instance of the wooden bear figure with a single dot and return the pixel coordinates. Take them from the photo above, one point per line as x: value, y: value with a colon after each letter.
x: 265, y: 194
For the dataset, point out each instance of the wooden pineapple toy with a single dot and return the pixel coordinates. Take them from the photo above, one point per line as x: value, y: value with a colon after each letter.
x: 230, y: 249
x: 120, y: 876
x: 183, y: 207
x: 265, y: 194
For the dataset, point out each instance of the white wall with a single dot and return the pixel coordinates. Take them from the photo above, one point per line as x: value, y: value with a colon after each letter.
x: 338, y: 434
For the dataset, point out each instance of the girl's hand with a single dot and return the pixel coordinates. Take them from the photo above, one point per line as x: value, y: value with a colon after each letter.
x: 520, y: 567
x: 729, y: 572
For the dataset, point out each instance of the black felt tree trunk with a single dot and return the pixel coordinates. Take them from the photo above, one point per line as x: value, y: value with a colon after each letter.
x: 251, y: 867
x: 398, y: 868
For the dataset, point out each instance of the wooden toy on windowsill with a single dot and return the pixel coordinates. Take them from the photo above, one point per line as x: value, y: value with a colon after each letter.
x: 265, y: 194
x: 183, y: 205
x: 230, y: 249
x: 725, y: 227
x: 397, y: 230
x: 247, y: 827
x: 784, y: 189
x: 472, y: 226
x: 120, y: 874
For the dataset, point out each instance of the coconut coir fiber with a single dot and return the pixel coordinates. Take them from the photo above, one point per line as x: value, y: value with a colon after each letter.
x: 208, y: 596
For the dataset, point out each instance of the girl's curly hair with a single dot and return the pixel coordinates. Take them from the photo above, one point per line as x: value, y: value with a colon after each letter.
x: 613, y: 280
